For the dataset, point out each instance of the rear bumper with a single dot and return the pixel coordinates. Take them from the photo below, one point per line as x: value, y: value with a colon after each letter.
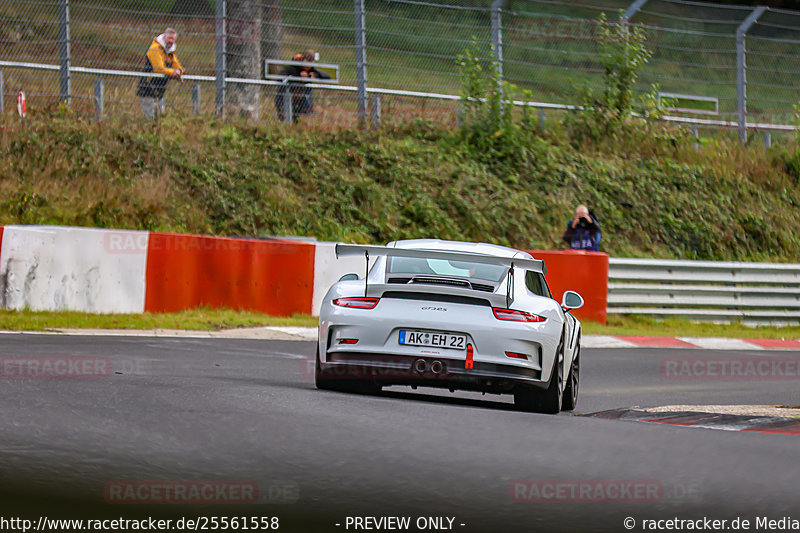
x: 407, y: 370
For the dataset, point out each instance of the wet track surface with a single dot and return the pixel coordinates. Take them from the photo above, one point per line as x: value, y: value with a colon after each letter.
x: 238, y: 410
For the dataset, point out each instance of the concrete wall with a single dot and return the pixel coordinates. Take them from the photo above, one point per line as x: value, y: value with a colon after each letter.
x: 186, y: 271
x: 61, y: 268
x: 583, y: 272
x: 110, y: 271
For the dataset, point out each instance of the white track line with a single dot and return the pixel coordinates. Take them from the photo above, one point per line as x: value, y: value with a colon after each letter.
x: 720, y: 343
x: 605, y: 341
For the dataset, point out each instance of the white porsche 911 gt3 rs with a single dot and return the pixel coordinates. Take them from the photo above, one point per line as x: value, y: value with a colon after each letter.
x: 454, y: 315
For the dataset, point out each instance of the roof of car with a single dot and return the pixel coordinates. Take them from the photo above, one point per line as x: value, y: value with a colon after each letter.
x: 461, y: 246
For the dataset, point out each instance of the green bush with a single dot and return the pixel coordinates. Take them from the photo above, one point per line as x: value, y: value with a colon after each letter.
x: 616, y: 116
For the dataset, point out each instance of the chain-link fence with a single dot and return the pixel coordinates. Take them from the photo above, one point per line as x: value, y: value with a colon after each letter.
x: 393, y: 59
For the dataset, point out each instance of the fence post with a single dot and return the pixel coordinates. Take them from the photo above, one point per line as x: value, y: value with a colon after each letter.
x: 196, y: 98
x: 222, y: 51
x: 375, y: 114
x: 99, y: 103
x: 2, y: 94
x: 288, y: 108
x: 497, y: 35
x: 741, y: 71
x: 63, y: 50
x: 542, y: 118
x: 361, y: 59
x: 632, y: 9
x: 767, y: 139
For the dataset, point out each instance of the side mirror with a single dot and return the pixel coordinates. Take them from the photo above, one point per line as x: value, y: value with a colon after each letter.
x: 571, y: 300
x: 349, y: 277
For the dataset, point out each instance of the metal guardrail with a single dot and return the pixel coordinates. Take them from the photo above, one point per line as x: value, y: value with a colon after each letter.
x: 754, y: 293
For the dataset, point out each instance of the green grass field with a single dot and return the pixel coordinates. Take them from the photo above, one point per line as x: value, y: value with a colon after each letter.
x: 196, y: 319
x: 548, y: 48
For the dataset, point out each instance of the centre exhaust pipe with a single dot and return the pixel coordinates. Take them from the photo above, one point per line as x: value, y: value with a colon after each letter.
x: 437, y: 367
x: 420, y: 365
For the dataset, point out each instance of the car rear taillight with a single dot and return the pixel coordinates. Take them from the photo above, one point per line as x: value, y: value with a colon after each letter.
x: 516, y: 355
x: 348, y: 341
x: 357, y: 303
x: 516, y: 316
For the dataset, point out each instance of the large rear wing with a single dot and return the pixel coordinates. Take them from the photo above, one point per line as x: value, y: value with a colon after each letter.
x: 345, y: 250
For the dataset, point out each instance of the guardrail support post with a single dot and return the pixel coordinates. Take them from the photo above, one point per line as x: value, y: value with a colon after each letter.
x: 63, y: 50
x: 497, y: 36
x: 632, y: 9
x: 2, y: 94
x: 375, y: 112
x: 196, y: 98
x: 767, y: 139
x: 542, y: 118
x: 287, y: 102
x: 221, y: 52
x: 99, y: 103
x: 741, y: 71
x: 696, y: 135
x: 361, y: 60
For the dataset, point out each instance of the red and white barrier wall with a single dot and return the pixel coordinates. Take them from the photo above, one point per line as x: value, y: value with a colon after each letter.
x: 117, y: 271
x: 186, y: 271
x: 583, y: 272
x: 61, y: 268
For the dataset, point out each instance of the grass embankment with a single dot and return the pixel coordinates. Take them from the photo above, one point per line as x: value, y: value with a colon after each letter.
x: 189, y: 174
x: 195, y: 319
x: 675, y: 327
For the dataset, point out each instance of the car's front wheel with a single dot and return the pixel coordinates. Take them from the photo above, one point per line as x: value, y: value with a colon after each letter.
x: 549, y: 400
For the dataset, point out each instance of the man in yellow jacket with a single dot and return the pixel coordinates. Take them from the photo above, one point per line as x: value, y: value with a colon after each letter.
x: 160, y: 59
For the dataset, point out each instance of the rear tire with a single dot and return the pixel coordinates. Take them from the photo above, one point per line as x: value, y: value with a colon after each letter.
x: 573, y: 380
x: 527, y: 400
x: 320, y: 379
x: 324, y: 381
x: 546, y: 401
x: 553, y: 396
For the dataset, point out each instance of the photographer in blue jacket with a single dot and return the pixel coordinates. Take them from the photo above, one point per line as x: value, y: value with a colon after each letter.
x: 583, y: 231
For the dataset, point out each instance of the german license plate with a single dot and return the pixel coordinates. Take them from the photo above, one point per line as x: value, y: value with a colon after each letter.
x: 413, y: 337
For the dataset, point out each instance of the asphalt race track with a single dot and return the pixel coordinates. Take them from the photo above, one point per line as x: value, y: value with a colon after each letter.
x: 242, y: 410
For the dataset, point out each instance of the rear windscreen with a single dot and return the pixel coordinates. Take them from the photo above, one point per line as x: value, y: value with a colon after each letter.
x: 443, y: 267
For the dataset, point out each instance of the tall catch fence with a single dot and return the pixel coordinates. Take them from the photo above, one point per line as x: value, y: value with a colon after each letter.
x: 720, y: 65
